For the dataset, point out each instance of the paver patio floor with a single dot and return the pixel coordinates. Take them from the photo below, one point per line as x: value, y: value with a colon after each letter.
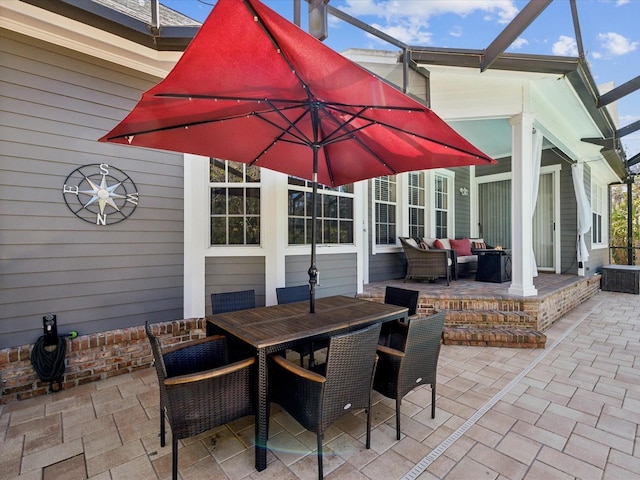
x: 569, y: 411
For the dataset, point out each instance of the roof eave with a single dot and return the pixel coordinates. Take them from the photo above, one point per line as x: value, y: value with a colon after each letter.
x: 573, y: 68
x: 165, y: 38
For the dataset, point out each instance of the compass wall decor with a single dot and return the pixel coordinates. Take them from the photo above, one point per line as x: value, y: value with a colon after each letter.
x: 100, y: 194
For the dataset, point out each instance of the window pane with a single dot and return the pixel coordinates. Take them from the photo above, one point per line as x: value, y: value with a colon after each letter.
x: 253, y: 174
x: 253, y: 230
x: 296, y: 203
x: 346, y: 231
x: 253, y: 201
x: 296, y: 231
x: 330, y: 206
x: 217, y: 170
x: 330, y: 231
x: 236, y: 231
x: 236, y: 201
x: 236, y: 172
x: 218, y: 201
x: 219, y: 231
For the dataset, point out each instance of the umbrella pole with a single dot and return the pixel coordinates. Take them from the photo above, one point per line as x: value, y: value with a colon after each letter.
x: 313, y: 270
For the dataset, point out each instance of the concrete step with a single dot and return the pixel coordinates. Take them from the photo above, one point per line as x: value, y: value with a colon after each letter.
x: 493, y: 337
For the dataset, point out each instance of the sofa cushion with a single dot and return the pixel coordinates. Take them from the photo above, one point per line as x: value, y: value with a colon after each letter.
x: 467, y: 259
x: 462, y: 247
x: 412, y: 242
x: 442, y: 243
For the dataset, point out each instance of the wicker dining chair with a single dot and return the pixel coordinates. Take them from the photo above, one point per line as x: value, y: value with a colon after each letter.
x: 401, y: 297
x: 400, y: 371
x: 231, y: 302
x: 300, y: 293
x: 317, y: 398
x: 199, y: 389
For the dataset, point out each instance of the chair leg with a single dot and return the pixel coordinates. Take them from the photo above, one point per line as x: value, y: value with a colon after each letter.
x: 163, y: 430
x: 433, y: 400
x: 368, y: 443
x: 174, y: 459
x: 398, y: 401
x: 320, y: 472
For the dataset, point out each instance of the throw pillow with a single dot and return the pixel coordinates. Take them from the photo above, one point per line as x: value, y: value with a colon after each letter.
x: 481, y: 245
x: 462, y: 247
x: 438, y: 244
x: 424, y: 245
x: 412, y: 242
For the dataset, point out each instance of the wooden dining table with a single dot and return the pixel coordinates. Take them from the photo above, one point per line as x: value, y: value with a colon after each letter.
x: 278, y: 327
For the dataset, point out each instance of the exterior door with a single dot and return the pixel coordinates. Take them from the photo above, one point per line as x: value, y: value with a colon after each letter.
x: 494, y: 216
x: 544, y: 224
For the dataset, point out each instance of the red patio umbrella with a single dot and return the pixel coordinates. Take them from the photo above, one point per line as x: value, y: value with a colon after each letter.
x: 252, y: 87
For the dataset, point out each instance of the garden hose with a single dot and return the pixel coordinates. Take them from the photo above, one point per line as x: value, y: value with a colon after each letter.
x: 48, y: 362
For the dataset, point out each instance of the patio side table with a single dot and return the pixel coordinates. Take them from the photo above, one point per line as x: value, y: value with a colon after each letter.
x: 493, y: 266
x: 621, y: 278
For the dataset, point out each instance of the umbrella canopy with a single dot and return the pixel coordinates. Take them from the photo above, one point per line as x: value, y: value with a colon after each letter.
x: 254, y: 88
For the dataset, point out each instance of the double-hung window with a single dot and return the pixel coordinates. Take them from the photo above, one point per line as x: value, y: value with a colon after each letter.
x: 417, y: 208
x: 334, y: 223
x: 598, y: 208
x: 235, y: 203
x: 385, y: 209
x: 442, y: 205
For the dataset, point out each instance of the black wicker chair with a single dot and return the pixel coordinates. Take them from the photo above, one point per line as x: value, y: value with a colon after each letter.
x: 300, y: 293
x: 318, y: 398
x: 403, y: 298
x: 199, y: 389
x: 231, y: 302
x: 400, y: 371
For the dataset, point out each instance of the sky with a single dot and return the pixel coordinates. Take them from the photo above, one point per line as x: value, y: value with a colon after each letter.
x: 610, y: 33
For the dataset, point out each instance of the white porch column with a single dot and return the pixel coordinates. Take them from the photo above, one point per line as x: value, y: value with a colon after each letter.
x: 273, y: 213
x: 196, y: 169
x: 521, y: 205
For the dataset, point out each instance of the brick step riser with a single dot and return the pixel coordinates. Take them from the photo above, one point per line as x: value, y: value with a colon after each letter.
x: 427, y: 305
x: 490, y: 319
x: 494, y: 337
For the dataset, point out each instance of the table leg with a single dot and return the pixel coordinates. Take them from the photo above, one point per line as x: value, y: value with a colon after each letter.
x: 262, y: 420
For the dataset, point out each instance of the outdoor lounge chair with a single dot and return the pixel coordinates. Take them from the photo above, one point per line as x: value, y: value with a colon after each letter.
x: 426, y: 264
x: 199, y: 389
x: 318, y: 398
x: 401, y: 370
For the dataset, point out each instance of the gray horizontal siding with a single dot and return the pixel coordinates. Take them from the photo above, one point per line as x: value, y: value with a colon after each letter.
x: 338, y: 273
x: 54, y: 105
x: 229, y: 274
x: 387, y: 266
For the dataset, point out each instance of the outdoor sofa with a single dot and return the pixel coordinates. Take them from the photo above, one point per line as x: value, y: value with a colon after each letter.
x: 426, y: 256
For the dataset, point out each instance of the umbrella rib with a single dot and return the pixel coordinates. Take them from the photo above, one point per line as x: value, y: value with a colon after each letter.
x: 405, y: 132
x: 208, y: 121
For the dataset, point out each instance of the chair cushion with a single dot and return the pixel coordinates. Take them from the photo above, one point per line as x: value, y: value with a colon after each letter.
x: 462, y: 247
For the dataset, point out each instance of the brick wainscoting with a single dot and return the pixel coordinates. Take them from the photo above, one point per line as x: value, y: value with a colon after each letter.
x: 92, y: 357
